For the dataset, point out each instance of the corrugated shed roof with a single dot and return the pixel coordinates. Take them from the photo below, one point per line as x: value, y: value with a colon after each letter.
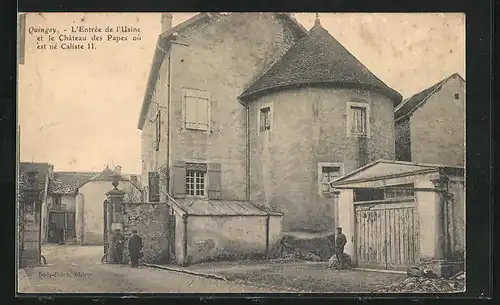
x: 318, y: 58
x: 221, y: 208
x: 409, y: 105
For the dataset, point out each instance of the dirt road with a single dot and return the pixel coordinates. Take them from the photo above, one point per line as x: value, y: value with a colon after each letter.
x: 77, y: 269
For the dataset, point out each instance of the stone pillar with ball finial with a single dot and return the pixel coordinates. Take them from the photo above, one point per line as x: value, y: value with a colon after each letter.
x: 114, y: 213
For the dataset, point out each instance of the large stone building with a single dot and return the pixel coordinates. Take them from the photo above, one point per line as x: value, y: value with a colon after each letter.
x: 252, y: 107
x: 430, y: 125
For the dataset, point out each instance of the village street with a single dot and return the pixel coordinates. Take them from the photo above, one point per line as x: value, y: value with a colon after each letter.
x: 77, y: 269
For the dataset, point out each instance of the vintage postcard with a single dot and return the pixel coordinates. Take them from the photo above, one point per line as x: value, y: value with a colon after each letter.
x: 241, y: 152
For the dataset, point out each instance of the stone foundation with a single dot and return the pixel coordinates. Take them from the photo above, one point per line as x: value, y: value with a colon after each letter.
x: 442, y: 268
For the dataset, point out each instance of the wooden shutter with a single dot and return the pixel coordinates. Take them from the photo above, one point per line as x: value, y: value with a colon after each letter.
x: 214, y: 181
x: 179, y: 179
x: 158, y: 130
x: 190, y: 110
x: 203, y: 111
x: 154, y: 192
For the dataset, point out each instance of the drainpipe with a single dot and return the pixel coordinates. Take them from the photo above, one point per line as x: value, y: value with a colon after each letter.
x: 185, y: 219
x: 169, y: 98
x: 247, y: 129
x: 267, y: 234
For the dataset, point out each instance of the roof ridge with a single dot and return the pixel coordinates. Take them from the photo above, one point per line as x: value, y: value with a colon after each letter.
x: 432, y: 89
x: 318, y: 58
x: 421, y: 91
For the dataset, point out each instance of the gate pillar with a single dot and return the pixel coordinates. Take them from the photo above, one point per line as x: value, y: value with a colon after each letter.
x: 114, y: 215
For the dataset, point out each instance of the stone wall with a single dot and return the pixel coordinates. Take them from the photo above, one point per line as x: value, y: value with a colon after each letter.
x: 151, y: 222
x: 222, y: 58
x: 308, y: 127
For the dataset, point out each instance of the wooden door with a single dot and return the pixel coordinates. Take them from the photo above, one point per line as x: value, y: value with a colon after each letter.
x: 57, y: 226
x: 70, y: 225
x: 386, y: 235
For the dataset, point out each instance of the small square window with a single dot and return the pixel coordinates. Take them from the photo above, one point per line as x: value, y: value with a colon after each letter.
x: 457, y: 96
x: 265, y: 119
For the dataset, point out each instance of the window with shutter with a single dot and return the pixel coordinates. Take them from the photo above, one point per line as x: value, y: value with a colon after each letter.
x: 327, y: 172
x: 196, y: 180
x: 154, y: 187
x: 157, y: 138
x: 179, y: 179
x: 196, y: 109
x: 358, y: 119
x: 214, y: 181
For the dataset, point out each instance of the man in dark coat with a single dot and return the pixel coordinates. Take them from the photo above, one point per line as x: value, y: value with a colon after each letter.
x: 135, y: 247
x: 118, y: 246
x: 340, y: 242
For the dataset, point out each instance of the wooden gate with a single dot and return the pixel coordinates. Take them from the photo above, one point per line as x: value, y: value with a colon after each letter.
x: 386, y: 235
x: 57, y: 226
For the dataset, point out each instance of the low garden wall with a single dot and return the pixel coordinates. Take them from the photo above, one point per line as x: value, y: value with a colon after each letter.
x: 151, y: 222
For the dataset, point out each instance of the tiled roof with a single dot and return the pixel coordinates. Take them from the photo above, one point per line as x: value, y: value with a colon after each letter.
x: 107, y: 174
x: 159, y: 54
x: 221, y: 207
x: 410, y: 104
x: 68, y: 182
x: 318, y: 58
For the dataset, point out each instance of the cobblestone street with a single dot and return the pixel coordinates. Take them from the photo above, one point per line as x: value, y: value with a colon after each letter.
x: 77, y: 269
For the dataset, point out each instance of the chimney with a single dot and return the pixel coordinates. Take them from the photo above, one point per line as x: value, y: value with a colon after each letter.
x: 118, y: 169
x: 166, y: 22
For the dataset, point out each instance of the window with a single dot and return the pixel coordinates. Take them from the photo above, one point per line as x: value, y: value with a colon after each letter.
x: 156, y: 142
x: 196, y: 179
x: 196, y: 109
x: 327, y: 173
x: 265, y: 119
x: 154, y: 186
x: 457, y: 96
x: 358, y: 119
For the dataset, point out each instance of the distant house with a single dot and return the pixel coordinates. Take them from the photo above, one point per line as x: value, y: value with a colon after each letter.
x: 430, y: 125
x: 251, y: 108
x: 74, y: 205
x: 59, y: 224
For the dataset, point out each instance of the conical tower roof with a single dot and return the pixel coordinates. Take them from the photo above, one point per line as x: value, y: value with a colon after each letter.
x: 318, y: 58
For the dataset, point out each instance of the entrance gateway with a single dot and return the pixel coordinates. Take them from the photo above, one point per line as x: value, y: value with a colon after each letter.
x: 386, y: 228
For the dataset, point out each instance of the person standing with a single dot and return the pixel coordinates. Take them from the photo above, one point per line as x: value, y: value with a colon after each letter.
x: 119, y: 245
x: 340, y: 242
x: 135, y: 247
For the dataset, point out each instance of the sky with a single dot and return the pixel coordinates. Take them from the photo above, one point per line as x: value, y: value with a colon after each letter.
x: 79, y: 109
